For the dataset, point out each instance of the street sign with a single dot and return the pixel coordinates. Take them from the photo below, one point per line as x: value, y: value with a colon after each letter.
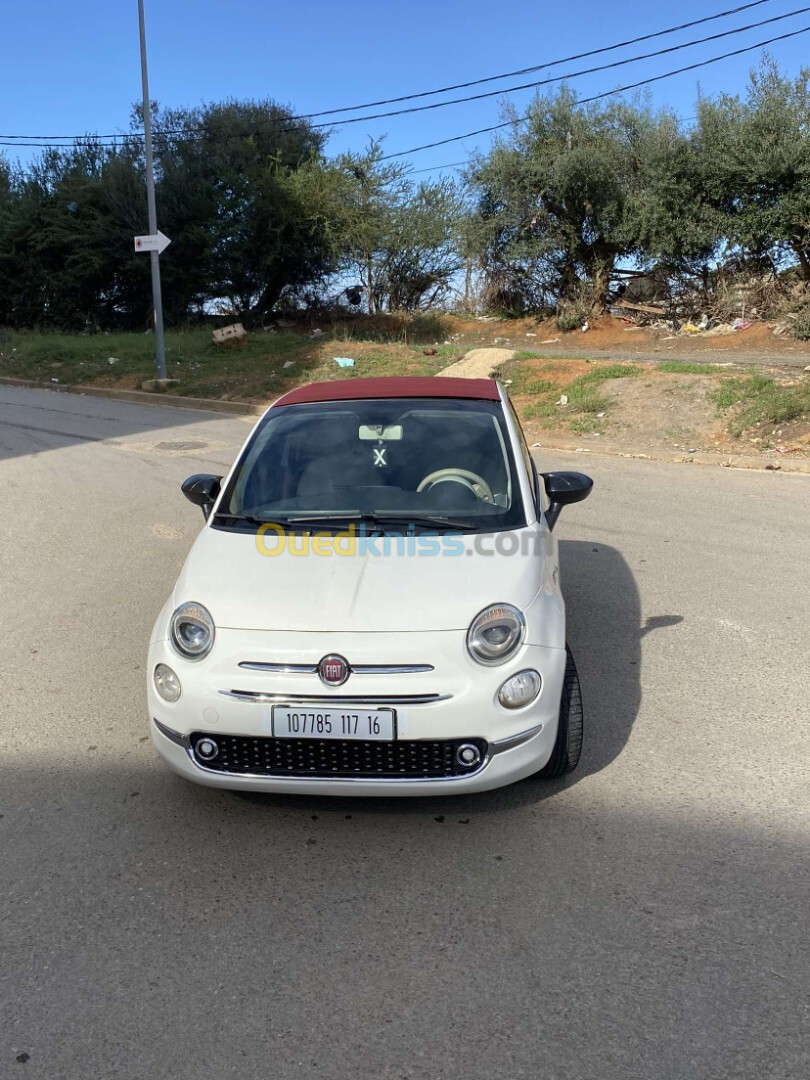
x: 157, y: 242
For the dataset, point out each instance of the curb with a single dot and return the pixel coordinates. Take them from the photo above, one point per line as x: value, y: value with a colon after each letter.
x: 143, y: 397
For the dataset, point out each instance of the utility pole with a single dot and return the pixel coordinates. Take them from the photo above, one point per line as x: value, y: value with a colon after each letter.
x: 157, y: 300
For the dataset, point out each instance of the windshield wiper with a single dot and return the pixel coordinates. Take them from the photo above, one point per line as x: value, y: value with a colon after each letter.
x: 325, y: 519
x: 373, y: 521
x: 425, y: 519
x: 307, y: 519
x: 328, y: 520
x: 378, y: 521
x: 235, y: 519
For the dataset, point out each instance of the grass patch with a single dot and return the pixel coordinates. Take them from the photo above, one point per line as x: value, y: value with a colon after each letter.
x: 538, y: 386
x: 525, y: 378
x: 757, y: 400
x: 680, y: 367
x: 610, y: 371
x: 737, y: 391
x: 540, y: 410
x: 191, y: 357
x: 254, y: 369
x: 584, y: 399
x: 426, y: 328
x: 586, y: 425
x: 585, y: 395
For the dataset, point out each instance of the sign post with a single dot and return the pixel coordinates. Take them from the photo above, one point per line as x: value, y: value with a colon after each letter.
x: 155, y: 248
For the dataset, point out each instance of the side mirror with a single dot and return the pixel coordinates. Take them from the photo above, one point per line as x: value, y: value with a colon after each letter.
x: 203, y: 490
x: 563, y: 488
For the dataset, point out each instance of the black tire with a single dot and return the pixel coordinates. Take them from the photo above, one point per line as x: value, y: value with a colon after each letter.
x: 568, y: 747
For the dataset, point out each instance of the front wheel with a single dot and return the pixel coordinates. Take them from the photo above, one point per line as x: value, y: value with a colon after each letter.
x: 568, y: 746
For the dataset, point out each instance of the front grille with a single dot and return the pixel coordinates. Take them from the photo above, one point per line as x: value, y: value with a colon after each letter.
x: 337, y: 758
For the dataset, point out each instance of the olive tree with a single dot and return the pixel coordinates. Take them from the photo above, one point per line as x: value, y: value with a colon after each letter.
x: 573, y: 189
x: 755, y: 153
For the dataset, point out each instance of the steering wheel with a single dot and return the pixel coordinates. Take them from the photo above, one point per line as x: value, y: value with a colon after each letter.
x: 472, y: 480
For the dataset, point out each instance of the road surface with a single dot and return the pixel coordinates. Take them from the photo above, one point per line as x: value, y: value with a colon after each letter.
x: 646, y: 918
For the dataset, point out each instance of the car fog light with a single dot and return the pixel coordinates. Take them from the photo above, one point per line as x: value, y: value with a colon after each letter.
x: 520, y: 689
x: 166, y: 683
x: 468, y: 755
x: 207, y: 749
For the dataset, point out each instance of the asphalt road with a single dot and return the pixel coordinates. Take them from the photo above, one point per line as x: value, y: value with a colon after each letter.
x: 646, y: 918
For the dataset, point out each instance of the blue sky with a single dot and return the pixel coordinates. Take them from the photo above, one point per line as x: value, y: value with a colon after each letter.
x: 73, y: 67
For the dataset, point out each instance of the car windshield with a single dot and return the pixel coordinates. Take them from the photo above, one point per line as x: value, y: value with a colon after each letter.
x: 436, y: 463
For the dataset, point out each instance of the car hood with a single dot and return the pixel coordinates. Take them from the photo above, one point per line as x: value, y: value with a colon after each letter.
x: 246, y: 590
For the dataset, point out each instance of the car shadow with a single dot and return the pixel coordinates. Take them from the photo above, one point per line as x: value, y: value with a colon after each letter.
x: 605, y: 630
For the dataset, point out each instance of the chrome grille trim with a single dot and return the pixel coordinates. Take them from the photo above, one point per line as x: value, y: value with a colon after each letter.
x: 511, y: 741
x: 289, y: 669
x: 389, y: 669
x: 254, y: 697
x: 354, y: 669
x: 170, y: 733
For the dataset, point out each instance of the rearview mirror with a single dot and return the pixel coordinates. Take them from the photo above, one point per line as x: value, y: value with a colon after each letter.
x: 388, y: 433
x: 202, y: 489
x: 563, y: 488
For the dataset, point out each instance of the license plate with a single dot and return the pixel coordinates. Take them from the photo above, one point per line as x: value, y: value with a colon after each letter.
x: 348, y: 722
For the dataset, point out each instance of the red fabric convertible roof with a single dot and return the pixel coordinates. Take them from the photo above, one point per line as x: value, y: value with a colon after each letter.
x: 393, y: 387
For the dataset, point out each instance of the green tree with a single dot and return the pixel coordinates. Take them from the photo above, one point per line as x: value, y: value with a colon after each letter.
x: 227, y: 195
x: 366, y: 193
x: 573, y: 189
x: 756, y: 165
x: 66, y: 257
x: 420, y: 255
x: 398, y: 239
x: 675, y: 222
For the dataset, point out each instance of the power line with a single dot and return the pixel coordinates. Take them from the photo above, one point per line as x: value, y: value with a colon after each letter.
x: 535, y: 67
x: 436, y: 168
x: 474, y: 82
x: 599, y: 97
x: 480, y: 131
x: 567, y: 75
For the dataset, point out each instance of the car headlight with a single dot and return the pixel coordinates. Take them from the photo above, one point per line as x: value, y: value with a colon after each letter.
x: 166, y: 683
x: 192, y: 631
x: 495, y: 633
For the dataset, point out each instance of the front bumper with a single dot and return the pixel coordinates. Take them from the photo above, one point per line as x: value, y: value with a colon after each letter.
x: 496, y: 771
x: 455, y: 700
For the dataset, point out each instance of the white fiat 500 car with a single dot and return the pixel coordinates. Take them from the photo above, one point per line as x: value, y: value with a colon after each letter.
x: 373, y: 606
